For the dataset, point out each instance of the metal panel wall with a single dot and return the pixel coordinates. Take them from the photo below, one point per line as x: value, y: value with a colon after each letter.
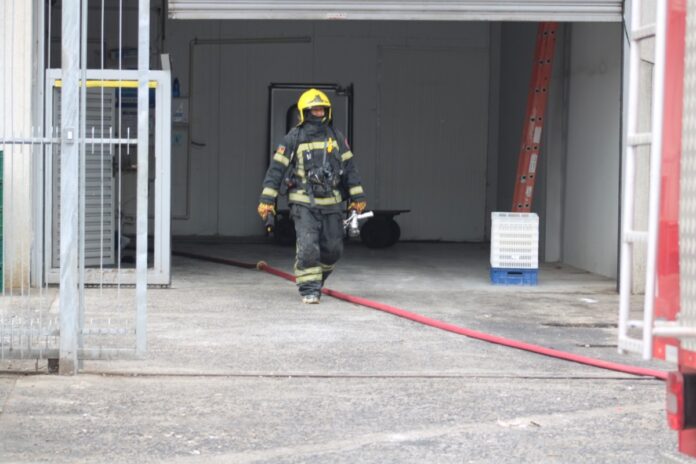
x: 433, y: 140
x: 591, y: 211
x: 228, y: 110
x: 411, y: 10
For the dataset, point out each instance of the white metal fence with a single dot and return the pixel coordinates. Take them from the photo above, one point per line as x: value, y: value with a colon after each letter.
x: 65, y: 137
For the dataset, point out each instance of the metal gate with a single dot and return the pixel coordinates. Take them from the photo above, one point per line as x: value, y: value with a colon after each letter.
x: 79, y: 150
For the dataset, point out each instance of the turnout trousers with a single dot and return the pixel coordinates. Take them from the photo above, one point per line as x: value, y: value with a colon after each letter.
x: 319, y: 246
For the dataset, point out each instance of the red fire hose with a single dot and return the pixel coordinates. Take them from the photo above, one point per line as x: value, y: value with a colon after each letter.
x: 263, y: 266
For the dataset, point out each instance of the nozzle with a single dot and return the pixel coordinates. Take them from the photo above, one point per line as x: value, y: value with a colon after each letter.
x: 352, y: 225
x: 354, y: 229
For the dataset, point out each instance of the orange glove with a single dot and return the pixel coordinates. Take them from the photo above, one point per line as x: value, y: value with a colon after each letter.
x: 358, y: 206
x: 264, y: 209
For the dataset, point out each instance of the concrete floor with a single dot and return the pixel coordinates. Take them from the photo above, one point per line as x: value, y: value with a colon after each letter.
x: 239, y: 371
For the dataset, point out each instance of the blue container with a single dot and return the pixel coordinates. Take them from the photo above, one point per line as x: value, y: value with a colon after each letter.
x: 502, y: 276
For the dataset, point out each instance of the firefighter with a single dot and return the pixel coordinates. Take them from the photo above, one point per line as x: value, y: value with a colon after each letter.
x: 315, y: 164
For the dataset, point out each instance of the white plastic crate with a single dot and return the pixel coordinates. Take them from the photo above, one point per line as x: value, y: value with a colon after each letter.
x: 514, y: 240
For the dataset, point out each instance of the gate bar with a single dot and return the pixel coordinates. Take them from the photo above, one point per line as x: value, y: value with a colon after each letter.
x: 69, y: 162
x: 142, y: 205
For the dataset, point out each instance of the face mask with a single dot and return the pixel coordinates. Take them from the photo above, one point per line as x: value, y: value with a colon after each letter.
x: 309, y: 117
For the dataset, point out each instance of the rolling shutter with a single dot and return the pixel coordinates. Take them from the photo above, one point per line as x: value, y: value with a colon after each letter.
x: 404, y: 10
x: 100, y: 228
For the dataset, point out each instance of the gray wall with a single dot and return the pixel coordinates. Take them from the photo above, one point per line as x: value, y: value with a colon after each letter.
x: 553, y: 175
x: 577, y: 193
x: 421, y: 125
x: 516, y: 53
x: 593, y: 164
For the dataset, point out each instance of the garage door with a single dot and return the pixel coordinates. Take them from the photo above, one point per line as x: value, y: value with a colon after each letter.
x: 424, y: 10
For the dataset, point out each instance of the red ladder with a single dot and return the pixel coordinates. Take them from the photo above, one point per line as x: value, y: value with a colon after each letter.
x: 534, y: 119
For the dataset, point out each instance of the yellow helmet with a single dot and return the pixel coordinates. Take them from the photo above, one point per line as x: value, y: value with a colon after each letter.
x: 312, y: 98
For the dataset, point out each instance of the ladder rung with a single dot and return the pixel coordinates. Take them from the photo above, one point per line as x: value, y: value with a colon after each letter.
x: 631, y: 344
x: 644, y: 32
x: 635, y: 236
x: 641, y: 138
x: 673, y: 329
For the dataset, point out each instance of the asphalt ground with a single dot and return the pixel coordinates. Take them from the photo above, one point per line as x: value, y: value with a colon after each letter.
x: 238, y: 370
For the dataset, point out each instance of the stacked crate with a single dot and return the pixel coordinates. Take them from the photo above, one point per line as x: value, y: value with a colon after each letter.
x: 514, y: 248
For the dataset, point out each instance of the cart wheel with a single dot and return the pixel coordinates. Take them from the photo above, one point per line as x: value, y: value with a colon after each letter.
x: 284, y: 232
x: 377, y: 233
x: 395, y: 231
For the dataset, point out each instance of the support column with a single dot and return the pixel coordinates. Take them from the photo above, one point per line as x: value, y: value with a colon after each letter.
x: 16, y: 60
x: 69, y: 165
